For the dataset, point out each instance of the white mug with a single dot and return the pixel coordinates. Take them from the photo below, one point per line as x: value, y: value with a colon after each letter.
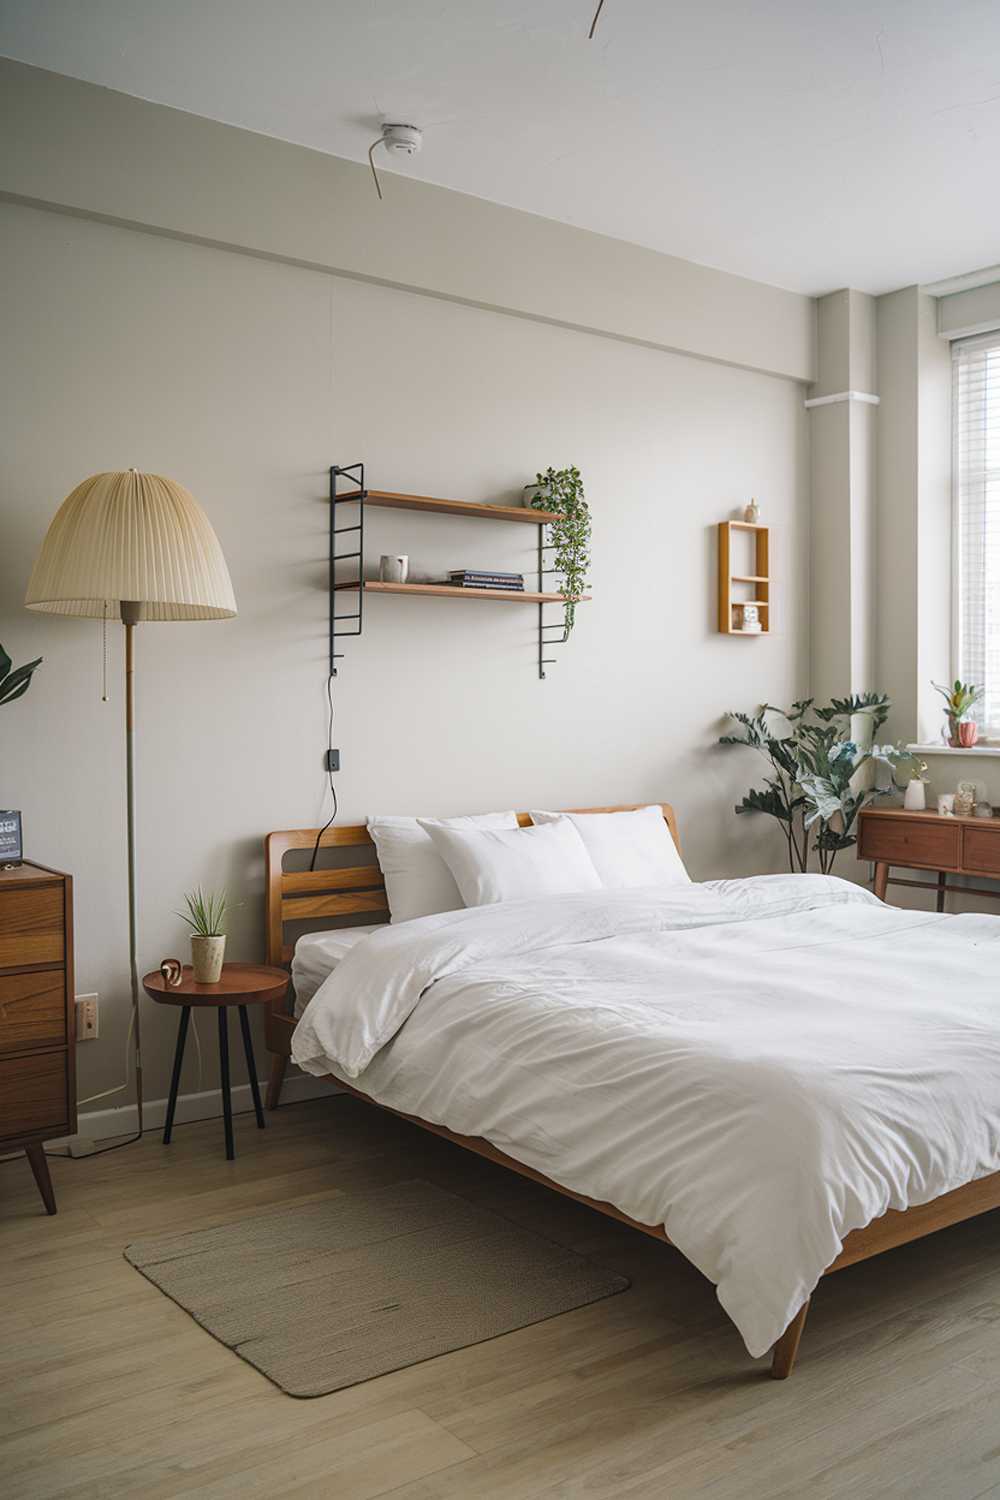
x: 393, y: 569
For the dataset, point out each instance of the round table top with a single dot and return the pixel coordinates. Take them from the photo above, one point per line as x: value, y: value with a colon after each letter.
x: 241, y: 984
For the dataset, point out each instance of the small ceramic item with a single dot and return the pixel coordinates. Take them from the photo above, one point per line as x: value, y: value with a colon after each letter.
x: 915, y: 796
x: 984, y: 810
x: 946, y: 805
x: 751, y: 513
x: 393, y: 569
x: 172, y: 971
x: 207, y: 954
x: 968, y: 733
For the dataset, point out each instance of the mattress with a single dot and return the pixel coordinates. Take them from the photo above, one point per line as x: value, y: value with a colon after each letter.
x: 316, y: 956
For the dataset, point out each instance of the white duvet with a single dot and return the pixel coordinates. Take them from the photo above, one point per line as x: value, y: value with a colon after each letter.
x: 761, y: 1066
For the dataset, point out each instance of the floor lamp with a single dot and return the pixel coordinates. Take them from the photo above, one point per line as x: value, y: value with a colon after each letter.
x: 133, y: 547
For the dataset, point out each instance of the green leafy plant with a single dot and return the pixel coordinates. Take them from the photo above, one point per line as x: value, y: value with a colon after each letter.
x: 15, y: 682
x: 813, y: 788
x: 960, y: 699
x: 205, y: 912
x: 562, y: 490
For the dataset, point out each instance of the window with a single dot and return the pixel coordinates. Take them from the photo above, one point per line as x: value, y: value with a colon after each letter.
x: 976, y: 388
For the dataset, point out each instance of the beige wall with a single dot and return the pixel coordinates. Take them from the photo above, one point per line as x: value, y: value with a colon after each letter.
x: 244, y: 378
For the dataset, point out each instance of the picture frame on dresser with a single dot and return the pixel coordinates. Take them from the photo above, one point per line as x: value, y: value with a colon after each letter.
x: 37, y: 1015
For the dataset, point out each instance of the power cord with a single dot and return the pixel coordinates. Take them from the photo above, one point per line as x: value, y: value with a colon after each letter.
x: 329, y: 772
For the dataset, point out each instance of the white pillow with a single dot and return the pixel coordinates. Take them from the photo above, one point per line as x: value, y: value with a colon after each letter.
x: 418, y: 883
x: 627, y: 848
x: 492, y: 865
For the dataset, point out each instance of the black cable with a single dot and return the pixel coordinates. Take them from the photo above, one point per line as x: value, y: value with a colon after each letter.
x: 590, y: 34
x: 329, y: 772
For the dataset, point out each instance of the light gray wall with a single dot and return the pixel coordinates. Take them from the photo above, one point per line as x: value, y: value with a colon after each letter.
x: 244, y: 378
x: 91, y: 150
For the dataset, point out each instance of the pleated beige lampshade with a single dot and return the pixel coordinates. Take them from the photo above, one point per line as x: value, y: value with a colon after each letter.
x: 135, y: 537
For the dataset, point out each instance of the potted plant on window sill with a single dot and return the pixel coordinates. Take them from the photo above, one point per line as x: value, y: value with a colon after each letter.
x: 960, y: 699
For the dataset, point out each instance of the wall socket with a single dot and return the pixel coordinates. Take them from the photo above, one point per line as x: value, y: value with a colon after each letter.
x: 86, y: 1018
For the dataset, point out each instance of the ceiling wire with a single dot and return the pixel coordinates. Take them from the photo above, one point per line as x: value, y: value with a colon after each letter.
x: 597, y: 17
x: 371, y: 159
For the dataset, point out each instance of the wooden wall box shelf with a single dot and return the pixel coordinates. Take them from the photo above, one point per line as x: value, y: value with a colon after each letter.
x: 927, y: 841
x: 759, y: 537
x: 37, y: 1015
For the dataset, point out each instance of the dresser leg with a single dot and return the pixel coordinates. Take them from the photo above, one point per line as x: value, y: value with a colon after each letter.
x: 40, y: 1167
x: 881, y: 879
x: 227, y: 1102
x: 942, y: 888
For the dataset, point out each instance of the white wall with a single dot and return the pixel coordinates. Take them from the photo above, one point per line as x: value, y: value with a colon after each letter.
x: 244, y: 378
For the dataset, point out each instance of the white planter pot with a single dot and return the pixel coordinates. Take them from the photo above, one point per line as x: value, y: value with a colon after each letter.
x: 207, y: 954
x: 915, y: 796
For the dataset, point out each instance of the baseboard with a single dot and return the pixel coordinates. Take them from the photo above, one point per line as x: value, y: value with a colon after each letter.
x: 97, y: 1124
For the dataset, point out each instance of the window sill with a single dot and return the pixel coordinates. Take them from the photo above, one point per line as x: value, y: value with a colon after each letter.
x: 987, y: 749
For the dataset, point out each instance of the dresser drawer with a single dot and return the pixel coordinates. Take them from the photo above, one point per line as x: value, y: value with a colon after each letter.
x: 981, y: 850
x: 31, y: 926
x: 902, y: 841
x: 33, y: 1094
x: 32, y: 1010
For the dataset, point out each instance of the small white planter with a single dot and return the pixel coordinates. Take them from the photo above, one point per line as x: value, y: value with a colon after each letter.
x: 207, y: 954
x: 915, y: 796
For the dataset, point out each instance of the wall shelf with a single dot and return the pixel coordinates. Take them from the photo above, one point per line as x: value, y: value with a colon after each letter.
x: 351, y: 623
x: 759, y: 539
x: 446, y: 591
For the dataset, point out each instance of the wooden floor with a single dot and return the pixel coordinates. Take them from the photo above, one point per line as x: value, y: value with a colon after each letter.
x: 109, y: 1390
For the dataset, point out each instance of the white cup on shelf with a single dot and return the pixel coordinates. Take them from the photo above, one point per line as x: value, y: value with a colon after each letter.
x: 393, y: 569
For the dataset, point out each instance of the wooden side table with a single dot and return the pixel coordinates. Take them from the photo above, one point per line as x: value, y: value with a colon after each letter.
x: 946, y: 846
x: 241, y: 985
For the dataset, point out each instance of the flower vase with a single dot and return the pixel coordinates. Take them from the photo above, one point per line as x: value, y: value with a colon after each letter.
x: 915, y: 796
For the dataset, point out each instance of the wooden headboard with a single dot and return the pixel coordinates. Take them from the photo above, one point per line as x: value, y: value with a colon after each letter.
x: 347, y: 890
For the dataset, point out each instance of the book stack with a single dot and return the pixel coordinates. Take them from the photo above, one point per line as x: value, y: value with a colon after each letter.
x: 478, y: 578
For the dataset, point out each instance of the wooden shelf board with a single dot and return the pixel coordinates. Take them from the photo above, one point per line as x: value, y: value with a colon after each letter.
x: 469, y: 508
x: 734, y: 631
x: 748, y: 578
x: 745, y: 526
x: 445, y: 591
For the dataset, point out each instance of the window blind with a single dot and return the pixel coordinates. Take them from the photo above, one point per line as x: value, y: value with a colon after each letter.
x: 976, y: 477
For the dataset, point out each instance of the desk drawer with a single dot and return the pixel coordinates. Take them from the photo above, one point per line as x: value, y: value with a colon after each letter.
x: 981, y: 850
x: 899, y: 841
x: 31, y: 926
x: 33, y: 1094
x: 32, y: 1010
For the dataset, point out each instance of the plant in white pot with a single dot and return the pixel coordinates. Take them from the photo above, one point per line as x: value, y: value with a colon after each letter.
x: 205, y: 915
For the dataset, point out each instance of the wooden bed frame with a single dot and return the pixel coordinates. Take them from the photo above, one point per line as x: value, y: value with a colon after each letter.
x: 358, y: 891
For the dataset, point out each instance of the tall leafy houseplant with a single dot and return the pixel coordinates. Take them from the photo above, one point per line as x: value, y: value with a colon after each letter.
x: 813, y: 788
x: 15, y: 681
x: 562, y: 490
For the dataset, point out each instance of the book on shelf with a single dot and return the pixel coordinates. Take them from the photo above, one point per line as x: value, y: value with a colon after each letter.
x: 483, y: 578
x: 501, y: 586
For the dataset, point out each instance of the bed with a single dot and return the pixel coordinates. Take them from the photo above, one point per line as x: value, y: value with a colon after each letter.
x: 848, y: 1047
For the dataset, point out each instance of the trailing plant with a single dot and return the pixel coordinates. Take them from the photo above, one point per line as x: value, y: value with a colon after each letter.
x: 561, y: 490
x: 205, y: 912
x: 15, y: 682
x: 813, y: 788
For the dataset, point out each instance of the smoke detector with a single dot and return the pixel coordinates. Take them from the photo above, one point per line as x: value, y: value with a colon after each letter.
x: 400, y: 140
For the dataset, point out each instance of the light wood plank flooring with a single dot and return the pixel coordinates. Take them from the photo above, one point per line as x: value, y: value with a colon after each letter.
x: 109, y: 1390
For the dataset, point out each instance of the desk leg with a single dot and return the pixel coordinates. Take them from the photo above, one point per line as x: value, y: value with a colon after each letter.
x: 881, y: 879
x: 251, y: 1066
x: 175, y: 1078
x: 942, y: 887
x: 227, y: 1102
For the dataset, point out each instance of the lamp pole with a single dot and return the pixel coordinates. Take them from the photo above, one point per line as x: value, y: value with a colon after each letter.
x: 130, y: 617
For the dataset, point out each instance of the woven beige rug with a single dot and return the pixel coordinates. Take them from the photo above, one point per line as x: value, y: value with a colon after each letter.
x: 331, y: 1293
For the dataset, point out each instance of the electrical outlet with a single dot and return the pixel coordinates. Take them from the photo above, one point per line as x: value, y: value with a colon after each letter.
x: 86, y: 1018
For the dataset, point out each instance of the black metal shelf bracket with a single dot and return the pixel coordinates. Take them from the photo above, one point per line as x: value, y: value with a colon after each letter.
x: 355, y: 474
x: 546, y: 642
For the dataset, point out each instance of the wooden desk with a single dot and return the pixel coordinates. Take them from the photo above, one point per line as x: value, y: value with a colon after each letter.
x: 927, y: 841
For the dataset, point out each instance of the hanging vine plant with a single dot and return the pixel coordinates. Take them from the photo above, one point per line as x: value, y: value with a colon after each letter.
x: 562, y: 490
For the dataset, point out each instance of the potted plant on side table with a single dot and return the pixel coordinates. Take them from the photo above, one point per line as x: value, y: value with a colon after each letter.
x: 205, y: 916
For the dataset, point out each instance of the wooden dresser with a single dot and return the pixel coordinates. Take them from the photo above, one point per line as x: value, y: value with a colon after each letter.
x: 928, y: 841
x: 37, y: 1015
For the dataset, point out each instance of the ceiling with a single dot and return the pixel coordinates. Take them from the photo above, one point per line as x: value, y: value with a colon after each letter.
x: 813, y: 146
